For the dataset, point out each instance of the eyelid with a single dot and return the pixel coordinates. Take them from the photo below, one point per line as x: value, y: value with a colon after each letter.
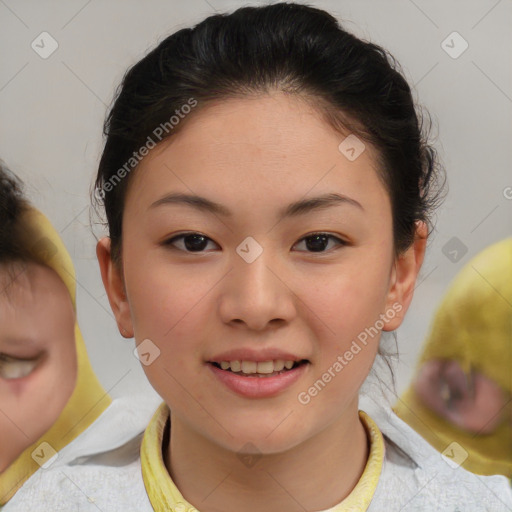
x: 15, y: 368
x: 6, y: 358
x: 341, y: 242
x: 326, y: 233
x: 185, y: 233
x: 169, y: 241
x: 173, y: 238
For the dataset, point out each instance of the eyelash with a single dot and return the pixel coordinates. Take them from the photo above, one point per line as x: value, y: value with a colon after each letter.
x: 6, y: 359
x: 170, y: 241
x: 21, y: 366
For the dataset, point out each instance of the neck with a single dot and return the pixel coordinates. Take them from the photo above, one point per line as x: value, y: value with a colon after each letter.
x: 315, y: 475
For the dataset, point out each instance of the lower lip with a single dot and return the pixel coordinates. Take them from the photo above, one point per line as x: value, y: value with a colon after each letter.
x: 258, y: 387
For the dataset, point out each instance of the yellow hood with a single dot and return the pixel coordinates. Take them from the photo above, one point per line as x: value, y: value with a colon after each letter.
x: 88, y: 399
x: 472, y: 325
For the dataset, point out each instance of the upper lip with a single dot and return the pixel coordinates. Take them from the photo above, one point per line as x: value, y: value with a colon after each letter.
x: 259, y: 356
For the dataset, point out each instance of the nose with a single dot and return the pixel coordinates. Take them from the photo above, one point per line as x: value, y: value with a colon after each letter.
x: 256, y: 295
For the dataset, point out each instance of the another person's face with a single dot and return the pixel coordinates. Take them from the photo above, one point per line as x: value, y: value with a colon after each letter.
x: 473, y: 402
x: 37, y: 355
x: 198, y: 302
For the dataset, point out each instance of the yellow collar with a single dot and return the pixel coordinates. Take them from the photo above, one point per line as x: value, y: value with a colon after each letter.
x: 164, y: 495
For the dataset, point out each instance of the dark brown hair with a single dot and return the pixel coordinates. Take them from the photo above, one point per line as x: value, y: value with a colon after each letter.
x: 294, y: 48
x: 12, y: 206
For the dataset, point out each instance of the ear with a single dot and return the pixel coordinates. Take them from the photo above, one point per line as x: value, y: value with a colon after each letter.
x: 114, y: 286
x: 403, y: 277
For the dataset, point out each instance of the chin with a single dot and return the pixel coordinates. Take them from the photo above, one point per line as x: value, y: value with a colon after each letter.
x: 262, y: 440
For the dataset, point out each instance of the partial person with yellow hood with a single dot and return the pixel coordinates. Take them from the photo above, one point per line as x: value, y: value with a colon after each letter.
x: 462, y: 389
x: 49, y: 394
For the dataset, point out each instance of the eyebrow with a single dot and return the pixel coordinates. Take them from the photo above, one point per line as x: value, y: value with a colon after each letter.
x: 294, y: 209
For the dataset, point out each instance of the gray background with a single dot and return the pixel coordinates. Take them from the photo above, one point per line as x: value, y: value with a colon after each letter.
x: 52, y: 110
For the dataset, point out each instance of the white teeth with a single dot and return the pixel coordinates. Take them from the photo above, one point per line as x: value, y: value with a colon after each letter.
x: 266, y: 367
x: 278, y: 365
x: 263, y: 367
x: 249, y: 366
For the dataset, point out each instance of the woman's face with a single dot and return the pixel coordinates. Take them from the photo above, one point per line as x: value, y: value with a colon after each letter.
x: 221, y: 265
x: 37, y: 355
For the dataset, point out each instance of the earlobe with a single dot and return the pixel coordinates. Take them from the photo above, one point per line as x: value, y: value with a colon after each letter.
x: 114, y: 286
x: 404, y: 276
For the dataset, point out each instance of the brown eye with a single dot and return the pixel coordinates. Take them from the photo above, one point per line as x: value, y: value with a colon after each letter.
x: 190, y: 242
x: 319, y: 242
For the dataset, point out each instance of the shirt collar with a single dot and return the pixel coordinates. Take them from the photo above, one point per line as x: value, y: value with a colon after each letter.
x: 164, y: 495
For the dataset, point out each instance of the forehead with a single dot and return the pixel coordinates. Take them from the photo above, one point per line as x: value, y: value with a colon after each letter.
x: 274, y: 125
x: 260, y: 147
x: 13, y: 274
x: 27, y: 282
x: 35, y: 309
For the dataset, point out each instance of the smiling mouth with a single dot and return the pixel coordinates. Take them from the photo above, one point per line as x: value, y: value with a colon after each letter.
x: 258, y: 369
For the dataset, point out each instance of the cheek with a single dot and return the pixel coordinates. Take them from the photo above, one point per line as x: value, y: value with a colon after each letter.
x: 32, y: 404
x: 348, y: 298
x: 170, y: 308
x: 343, y: 309
x: 484, y: 416
x: 164, y: 300
x: 51, y: 388
x: 61, y: 364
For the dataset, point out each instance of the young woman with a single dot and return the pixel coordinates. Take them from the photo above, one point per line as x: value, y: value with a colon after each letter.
x: 267, y: 188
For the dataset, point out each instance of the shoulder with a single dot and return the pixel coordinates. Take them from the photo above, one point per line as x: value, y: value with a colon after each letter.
x: 123, y: 421
x: 100, y: 469
x: 415, y: 476
x: 87, y: 487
